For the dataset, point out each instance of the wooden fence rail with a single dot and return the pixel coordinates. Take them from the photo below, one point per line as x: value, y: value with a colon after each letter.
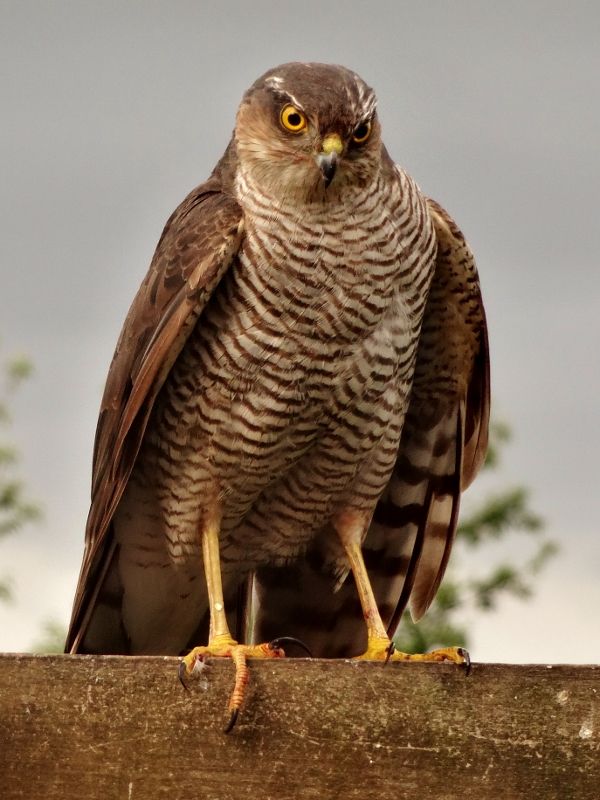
x: 106, y: 727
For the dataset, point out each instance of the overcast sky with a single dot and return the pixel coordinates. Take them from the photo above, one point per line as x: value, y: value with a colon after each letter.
x: 112, y: 111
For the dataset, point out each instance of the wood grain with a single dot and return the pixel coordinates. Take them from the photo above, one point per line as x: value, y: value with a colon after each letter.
x: 114, y: 727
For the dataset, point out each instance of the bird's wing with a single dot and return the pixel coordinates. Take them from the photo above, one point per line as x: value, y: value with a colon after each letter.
x: 444, y: 437
x: 196, y: 247
x: 443, y: 445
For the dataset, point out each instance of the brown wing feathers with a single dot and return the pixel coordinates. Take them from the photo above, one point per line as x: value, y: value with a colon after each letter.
x: 195, y: 249
x: 444, y: 437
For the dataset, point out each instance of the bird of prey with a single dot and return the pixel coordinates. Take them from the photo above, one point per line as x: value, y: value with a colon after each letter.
x: 299, y: 394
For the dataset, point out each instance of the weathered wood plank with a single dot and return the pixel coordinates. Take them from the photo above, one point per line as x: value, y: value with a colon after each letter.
x: 109, y: 727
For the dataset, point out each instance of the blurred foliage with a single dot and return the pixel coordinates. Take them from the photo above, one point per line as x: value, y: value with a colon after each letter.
x: 16, y: 509
x: 52, y: 638
x: 500, y: 515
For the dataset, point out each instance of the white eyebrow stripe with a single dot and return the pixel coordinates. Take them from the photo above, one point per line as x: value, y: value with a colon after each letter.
x: 276, y: 82
x: 366, y: 98
x: 294, y: 101
x: 370, y: 106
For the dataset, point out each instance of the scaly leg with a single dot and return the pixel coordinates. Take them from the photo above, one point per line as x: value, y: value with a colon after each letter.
x: 221, y: 643
x: 350, y: 527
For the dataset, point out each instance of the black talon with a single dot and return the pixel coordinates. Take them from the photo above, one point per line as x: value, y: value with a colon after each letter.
x: 276, y: 643
x: 389, y: 652
x: 182, y: 673
x: 467, y: 660
x: 232, y: 720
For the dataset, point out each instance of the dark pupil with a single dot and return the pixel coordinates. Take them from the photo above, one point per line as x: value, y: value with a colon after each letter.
x: 361, y: 131
x: 294, y: 120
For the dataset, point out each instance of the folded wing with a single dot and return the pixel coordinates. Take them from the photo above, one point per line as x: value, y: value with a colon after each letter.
x: 444, y: 438
x: 197, y: 246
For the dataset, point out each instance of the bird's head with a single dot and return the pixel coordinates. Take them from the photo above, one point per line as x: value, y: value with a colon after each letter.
x: 309, y: 131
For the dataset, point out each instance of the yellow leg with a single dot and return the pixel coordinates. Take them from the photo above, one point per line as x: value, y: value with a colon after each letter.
x: 221, y: 643
x: 219, y: 629
x: 351, y: 526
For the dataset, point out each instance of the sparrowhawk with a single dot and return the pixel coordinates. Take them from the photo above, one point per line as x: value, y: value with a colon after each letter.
x: 300, y: 391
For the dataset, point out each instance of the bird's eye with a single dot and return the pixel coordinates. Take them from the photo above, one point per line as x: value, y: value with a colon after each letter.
x: 362, y: 132
x: 292, y: 119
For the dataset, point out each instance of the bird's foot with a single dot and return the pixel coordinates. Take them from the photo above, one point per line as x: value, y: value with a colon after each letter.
x: 382, y: 649
x: 226, y: 647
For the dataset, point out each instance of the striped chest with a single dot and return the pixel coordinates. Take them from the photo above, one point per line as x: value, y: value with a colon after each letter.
x: 320, y: 290
x: 308, y: 341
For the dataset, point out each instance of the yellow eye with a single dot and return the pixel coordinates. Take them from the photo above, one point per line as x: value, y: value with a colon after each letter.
x: 362, y: 132
x: 292, y: 119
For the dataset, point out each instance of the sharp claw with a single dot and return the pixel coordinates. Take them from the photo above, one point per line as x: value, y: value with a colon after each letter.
x: 232, y: 720
x: 275, y: 644
x: 182, y: 673
x: 389, y: 652
x: 467, y: 660
x: 194, y: 662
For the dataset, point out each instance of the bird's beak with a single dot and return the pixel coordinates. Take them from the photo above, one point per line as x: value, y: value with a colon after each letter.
x: 331, y: 149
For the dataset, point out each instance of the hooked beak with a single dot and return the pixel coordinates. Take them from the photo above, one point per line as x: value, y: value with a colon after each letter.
x: 327, y: 160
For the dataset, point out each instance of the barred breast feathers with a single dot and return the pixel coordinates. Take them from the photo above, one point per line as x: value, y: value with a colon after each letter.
x: 330, y: 270
x: 317, y: 319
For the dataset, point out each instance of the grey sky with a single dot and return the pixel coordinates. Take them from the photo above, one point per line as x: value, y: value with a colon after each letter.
x: 112, y: 111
